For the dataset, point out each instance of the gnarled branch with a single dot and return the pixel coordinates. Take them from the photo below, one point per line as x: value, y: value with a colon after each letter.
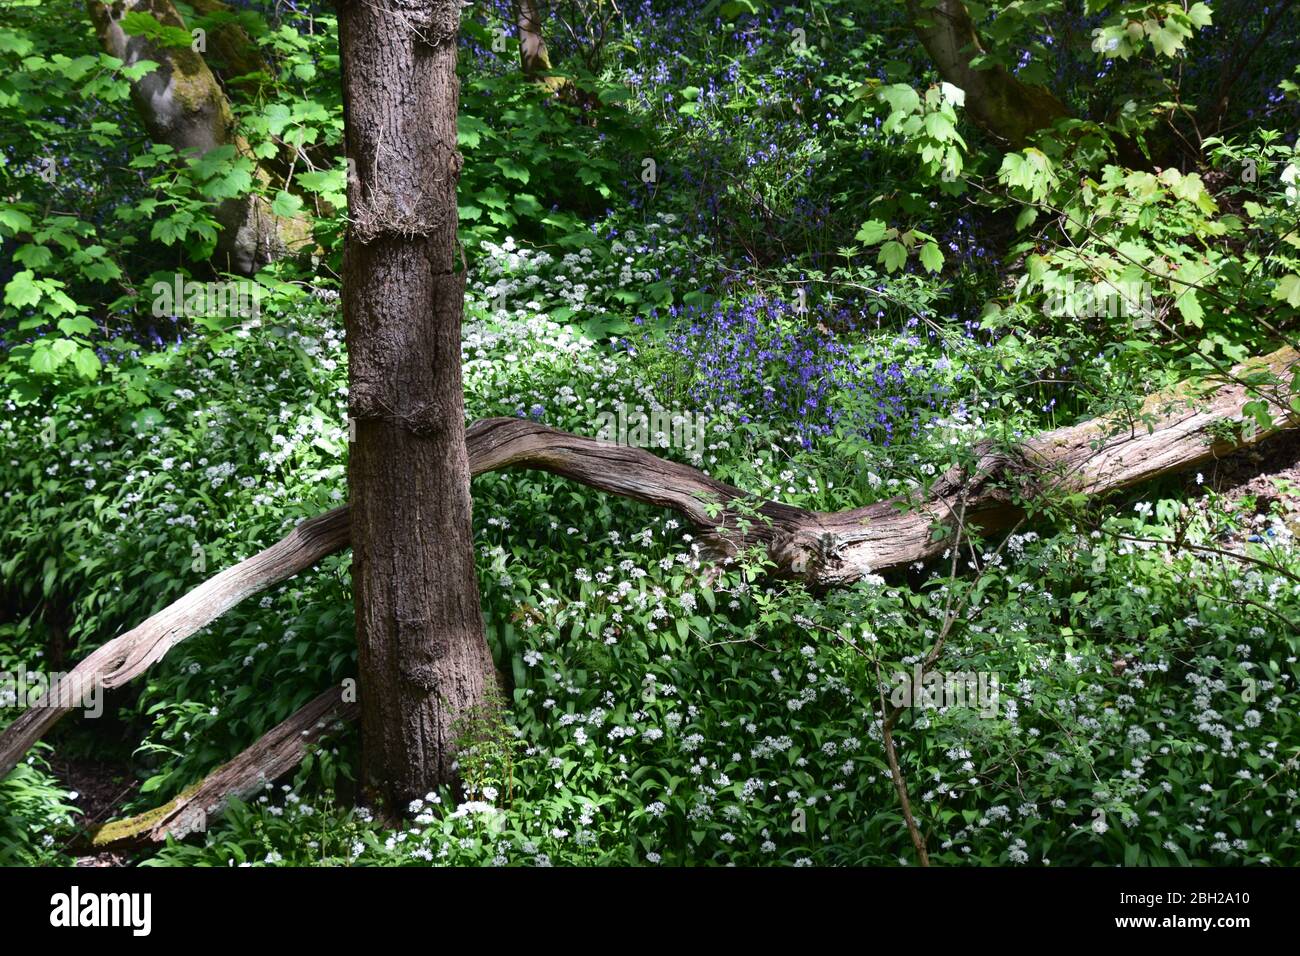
x: 128, y: 656
x: 276, y: 752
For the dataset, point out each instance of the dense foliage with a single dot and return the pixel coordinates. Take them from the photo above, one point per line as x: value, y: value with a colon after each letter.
x: 781, y: 226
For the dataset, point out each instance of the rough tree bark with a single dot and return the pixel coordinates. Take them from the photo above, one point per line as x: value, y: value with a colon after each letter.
x: 183, y: 106
x: 995, y: 99
x: 423, y: 659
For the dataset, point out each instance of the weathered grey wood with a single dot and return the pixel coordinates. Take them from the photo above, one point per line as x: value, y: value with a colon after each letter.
x: 274, y: 754
x: 127, y: 656
x: 839, y: 548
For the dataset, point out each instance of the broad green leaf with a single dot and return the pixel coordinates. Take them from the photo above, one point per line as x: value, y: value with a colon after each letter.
x: 86, y: 363
x: 893, y: 255
x: 900, y: 97
x: 1288, y: 290
x: 286, y: 205
x: 872, y: 231
x: 931, y: 257
x: 14, y: 219
x: 22, y: 291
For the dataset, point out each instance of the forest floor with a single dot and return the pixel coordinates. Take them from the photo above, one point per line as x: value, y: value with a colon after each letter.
x: 1265, y: 478
x: 101, y: 787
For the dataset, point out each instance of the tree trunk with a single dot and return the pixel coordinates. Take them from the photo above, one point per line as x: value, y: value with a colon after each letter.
x: 183, y: 106
x: 232, y: 54
x: 995, y: 99
x: 532, y: 47
x: 423, y: 659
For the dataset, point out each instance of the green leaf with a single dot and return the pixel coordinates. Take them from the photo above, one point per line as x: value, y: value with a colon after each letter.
x: 138, y: 70
x: 322, y: 181
x: 511, y: 170
x: 1200, y: 15
x: 610, y: 95
x: 36, y: 257
x: 901, y: 98
x: 43, y: 361
x: 286, y: 205
x: 1031, y: 171
x: 14, y: 42
x: 1288, y: 290
x: 22, y: 290
x: 277, y: 117
x: 931, y: 257
x: 14, y: 219
x: 138, y: 24
x: 1190, y: 308
x: 234, y: 183
x: 939, y: 126
x: 86, y: 363
x: 76, y: 325
x: 1166, y: 42
x: 872, y: 231
x: 734, y: 8
x: 893, y: 255
x: 169, y: 230
x: 470, y: 130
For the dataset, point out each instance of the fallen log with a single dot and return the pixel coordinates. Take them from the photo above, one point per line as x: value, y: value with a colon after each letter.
x: 128, y: 656
x: 1174, y: 430
x: 275, y: 753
